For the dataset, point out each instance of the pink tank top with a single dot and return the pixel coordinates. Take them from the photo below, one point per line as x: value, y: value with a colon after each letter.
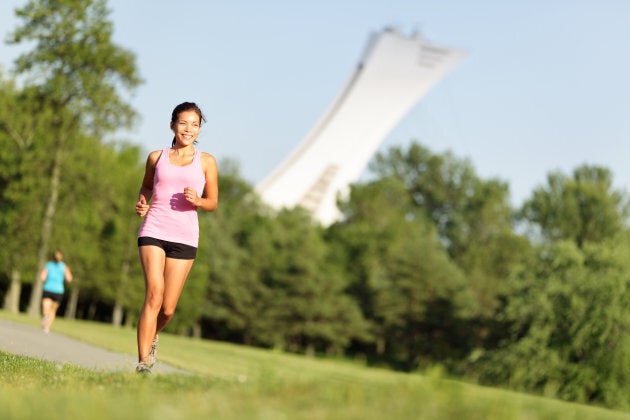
x: 170, y: 217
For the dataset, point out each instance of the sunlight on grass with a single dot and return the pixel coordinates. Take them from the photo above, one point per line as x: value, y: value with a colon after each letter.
x: 239, y: 382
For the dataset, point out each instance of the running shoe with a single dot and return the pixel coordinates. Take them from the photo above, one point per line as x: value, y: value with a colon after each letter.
x: 143, y: 367
x: 153, y: 352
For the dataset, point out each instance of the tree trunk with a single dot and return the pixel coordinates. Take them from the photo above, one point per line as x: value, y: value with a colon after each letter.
x: 196, y: 330
x: 71, y: 307
x: 118, y: 311
x: 51, y: 208
x: 91, y: 311
x: 12, y: 298
x: 129, y: 320
x: 310, y: 349
x: 117, y: 314
x: 380, y: 346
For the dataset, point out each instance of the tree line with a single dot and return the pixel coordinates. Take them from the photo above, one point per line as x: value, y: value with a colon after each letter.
x: 429, y: 265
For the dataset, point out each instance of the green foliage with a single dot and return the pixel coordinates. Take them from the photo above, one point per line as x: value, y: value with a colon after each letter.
x: 474, y: 221
x: 582, y: 208
x: 122, y: 280
x: 75, y: 70
x: 95, y: 223
x: 24, y: 169
x: 309, y: 304
x: 473, y: 217
x: 441, y: 185
x: 400, y: 272
x: 567, y: 309
x: 492, y: 249
x: 76, y: 62
x: 270, y: 279
x: 235, y: 248
x: 570, y: 325
x: 190, y: 308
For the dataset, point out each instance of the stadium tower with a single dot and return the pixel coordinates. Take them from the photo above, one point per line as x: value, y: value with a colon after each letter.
x: 394, y: 73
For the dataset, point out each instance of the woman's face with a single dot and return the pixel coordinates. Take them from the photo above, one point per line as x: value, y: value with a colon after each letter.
x: 186, y: 128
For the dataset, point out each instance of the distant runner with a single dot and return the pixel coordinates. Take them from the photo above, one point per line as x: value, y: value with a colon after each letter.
x: 54, y: 274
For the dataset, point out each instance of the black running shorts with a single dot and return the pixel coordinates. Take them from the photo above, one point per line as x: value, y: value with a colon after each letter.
x: 171, y: 249
x: 57, y: 297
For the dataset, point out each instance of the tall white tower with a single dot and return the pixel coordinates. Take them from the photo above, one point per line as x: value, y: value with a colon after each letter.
x: 394, y: 73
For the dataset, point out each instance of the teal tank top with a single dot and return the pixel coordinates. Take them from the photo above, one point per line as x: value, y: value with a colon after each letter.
x: 56, y: 273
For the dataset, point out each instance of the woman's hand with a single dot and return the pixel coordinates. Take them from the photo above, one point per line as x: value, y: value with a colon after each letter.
x: 191, y: 196
x: 142, y: 207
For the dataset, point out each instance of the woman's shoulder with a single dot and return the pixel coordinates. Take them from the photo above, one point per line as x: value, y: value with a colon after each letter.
x: 208, y: 161
x: 154, y: 156
x: 207, y: 156
x: 156, y: 153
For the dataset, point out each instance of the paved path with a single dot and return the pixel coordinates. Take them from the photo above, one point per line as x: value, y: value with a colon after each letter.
x: 26, y: 340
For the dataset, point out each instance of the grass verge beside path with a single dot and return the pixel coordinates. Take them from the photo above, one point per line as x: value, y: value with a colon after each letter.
x: 238, y: 382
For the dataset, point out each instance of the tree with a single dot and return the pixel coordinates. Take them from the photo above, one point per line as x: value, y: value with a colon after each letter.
x: 401, y: 274
x: 567, y: 308
x: 490, y: 249
x: 473, y: 216
x: 234, y: 247
x: 237, y: 298
x: 441, y: 185
x: 474, y: 221
x: 79, y: 70
x: 23, y: 138
x: 569, y: 325
x: 582, y: 208
x: 118, y: 236
x: 95, y: 225
x: 310, y: 308
x: 270, y: 280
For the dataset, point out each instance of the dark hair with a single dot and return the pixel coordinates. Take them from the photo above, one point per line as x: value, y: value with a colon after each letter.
x: 183, y: 107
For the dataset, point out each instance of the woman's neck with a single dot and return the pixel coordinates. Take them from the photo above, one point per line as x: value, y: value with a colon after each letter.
x: 183, y: 150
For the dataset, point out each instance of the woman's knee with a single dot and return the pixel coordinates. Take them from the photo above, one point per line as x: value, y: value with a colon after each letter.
x: 168, y: 311
x: 154, y: 300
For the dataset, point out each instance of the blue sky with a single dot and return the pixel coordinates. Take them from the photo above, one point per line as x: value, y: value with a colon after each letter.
x: 544, y: 86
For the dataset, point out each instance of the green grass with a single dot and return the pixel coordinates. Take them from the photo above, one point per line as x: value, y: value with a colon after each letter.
x: 238, y: 382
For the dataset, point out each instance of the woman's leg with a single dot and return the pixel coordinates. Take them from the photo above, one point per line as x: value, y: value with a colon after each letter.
x: 175, y: 275
x: 53, y: 312
x: 49, y: 309
x: 153, y: 262
x: 46, y: 307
